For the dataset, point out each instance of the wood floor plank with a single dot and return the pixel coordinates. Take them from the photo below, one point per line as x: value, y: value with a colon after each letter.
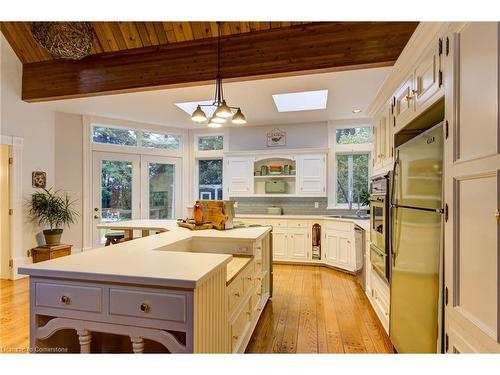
x: 307, y: 335
x: 289, y: 342
x: 331, y: 324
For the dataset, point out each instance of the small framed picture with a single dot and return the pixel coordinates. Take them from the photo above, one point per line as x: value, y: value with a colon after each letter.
x: 39, y: 179
x: 276, y: 137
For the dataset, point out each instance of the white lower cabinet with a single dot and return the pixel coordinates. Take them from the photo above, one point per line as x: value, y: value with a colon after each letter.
x: 291, y: 244
x: 280, y: 244
x: 298, y: 244
x: 380, y: 297
x: 339, y: 249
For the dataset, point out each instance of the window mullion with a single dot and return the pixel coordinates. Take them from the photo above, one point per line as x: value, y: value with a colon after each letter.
x: 350, y: 179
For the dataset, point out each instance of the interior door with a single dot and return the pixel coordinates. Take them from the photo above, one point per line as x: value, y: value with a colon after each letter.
x: 116, y: 191
x: 161, y: 192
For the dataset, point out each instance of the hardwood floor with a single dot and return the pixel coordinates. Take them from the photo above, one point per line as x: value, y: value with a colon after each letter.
x: 14, y: 316
x: 314, y: 310
x: 317, y: 310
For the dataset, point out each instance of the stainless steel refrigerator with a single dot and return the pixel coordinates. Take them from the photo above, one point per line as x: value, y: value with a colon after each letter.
x: 416, y: 243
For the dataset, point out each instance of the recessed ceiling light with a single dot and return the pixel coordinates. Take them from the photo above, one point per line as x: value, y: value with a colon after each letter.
x: 301, y: 101
x: 189, y: 107
x: 357, y: 111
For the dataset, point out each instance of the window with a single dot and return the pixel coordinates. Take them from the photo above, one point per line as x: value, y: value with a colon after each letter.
x: 114, y: 136
x: 135, y: 138
x: 357, y: 135
x: 164, y: 141
x: 210, y: 179
x: 352, y: 178
x: 211, y: 143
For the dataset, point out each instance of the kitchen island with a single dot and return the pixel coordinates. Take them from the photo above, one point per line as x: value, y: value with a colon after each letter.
x: 178, y: 291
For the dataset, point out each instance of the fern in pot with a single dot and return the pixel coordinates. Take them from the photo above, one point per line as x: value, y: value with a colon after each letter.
x: 54, y: 210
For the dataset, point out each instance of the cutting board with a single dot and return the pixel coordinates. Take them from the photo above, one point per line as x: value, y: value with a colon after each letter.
x: 193, y: 226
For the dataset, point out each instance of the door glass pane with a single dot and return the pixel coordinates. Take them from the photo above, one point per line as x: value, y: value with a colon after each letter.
x: 210, y: 179
x: 161, y: 191
x: 116, y: 193
x: 116, y: 190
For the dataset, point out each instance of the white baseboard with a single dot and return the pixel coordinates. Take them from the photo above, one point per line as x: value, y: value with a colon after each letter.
x: 19, y: 262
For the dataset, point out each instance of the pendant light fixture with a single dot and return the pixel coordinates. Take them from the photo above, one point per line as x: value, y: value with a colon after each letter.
x: 223, y: 111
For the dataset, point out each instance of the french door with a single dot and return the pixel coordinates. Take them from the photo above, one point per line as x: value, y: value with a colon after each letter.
x: 131, y: 186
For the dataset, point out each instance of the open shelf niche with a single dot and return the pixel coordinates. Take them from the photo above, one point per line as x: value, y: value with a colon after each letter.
x: 288, y: 179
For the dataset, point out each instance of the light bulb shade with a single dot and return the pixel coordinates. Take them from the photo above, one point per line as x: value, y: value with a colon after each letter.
x: 239, y: 117
x: 198, y: 115
x: 214, y: 122
x: 223, y: 111
x: 218, y: 120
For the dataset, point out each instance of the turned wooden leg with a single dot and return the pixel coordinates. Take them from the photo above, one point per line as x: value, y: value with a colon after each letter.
x: 85, y: 338
x: 137, y: 345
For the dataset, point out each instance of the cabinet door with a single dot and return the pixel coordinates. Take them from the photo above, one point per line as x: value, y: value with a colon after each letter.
x: 331, y: 247
x: 240, y: 176
x: 298, y: 244
x: 345, y: 257
x: 403, y: 105
x: 382, y: 140
x: 311, y: 174
x: 279, y: 244
x: 427, y: 85
x: 471, y: 189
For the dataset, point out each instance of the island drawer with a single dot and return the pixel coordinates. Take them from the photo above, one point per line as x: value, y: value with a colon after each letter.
x: 169, y: 305
x: 69, y: 297
x: 235, y: 292
x: 339, y: 225
x: 239, y: 326
x: 247, y: 276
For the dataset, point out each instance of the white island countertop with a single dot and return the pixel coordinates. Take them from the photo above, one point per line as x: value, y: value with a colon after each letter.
x: 140, y: 261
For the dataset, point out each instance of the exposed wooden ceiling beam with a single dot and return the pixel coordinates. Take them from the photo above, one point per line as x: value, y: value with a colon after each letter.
x: 313, y: 47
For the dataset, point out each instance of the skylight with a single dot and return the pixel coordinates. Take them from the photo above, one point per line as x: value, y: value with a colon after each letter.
x: 301, y: 101
x: 189, y: 107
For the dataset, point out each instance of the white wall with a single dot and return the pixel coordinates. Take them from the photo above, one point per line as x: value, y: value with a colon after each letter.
x: 69, y: 169
x: 249, y: 138
x: 35, y: 125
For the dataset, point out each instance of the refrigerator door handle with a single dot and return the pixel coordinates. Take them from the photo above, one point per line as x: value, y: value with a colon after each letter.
x: 396, y: 162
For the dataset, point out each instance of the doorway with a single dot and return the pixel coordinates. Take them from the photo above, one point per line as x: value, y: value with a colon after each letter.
x: 5, y: 222
x: 132, y: 186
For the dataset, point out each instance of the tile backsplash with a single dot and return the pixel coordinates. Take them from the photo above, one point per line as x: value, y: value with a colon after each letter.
x: 289, y: 205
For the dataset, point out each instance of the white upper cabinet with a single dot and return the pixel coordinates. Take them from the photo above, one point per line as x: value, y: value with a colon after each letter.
x: 382, y: 138
x: 239, y: 176
x: 311, y: 174
x: 428, y: 77
x: 403, y: 102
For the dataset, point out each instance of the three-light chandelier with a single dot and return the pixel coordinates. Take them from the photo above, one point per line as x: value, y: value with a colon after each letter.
x: 223, y: 111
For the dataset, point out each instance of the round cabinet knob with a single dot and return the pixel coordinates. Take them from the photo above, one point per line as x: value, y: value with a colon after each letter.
x: 66, y: 300
x: 249, y: 278
x: 96, y: 216
x: 237, y: 294
x: 145, y: 308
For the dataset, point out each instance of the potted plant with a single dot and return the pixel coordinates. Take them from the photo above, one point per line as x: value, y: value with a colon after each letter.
x: 52, y: 209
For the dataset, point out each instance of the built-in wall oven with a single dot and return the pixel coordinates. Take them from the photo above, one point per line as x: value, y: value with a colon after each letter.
x: 379, y: 225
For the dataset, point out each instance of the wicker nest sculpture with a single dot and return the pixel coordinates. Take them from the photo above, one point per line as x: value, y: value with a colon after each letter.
x: 66, y: 40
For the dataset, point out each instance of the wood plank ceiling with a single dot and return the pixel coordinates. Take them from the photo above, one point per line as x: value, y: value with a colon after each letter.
x: 120, y: 36
x: 138, y: 56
